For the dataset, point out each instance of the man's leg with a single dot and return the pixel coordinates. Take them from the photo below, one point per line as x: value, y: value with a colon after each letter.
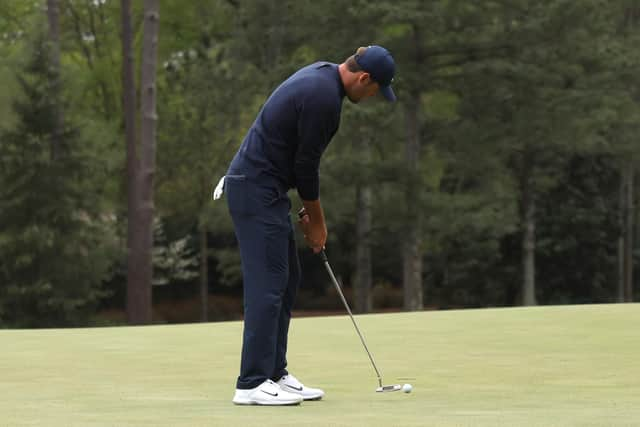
x: 285, y: 310
x: 281, y: 376
x: 262, y: 231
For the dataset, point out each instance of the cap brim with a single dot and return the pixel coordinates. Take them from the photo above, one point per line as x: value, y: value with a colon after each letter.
x: 387, y: 92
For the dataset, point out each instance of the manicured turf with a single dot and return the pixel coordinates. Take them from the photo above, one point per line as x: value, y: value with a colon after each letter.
x: 547, y: 366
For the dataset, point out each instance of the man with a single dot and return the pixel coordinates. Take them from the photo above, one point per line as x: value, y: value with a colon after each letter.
x: 282, y: 150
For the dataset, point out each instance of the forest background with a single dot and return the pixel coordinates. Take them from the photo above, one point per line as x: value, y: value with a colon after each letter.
x: 506, y: 174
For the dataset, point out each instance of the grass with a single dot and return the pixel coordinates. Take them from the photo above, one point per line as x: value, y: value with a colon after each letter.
x: 544, y: 366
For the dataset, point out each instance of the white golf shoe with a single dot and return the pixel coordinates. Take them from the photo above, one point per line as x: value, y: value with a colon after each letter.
x: 267, y: 393
x: 291, y: 384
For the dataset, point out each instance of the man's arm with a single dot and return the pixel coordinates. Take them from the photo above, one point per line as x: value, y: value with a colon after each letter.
x: 317, y: 123
x: 318, y: 119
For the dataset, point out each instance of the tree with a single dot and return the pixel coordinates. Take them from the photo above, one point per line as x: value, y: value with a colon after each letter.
x: 54, y: 44
x: 144, y: 181
x: 140, y: 173
x: 56, y: 246
x: 628, y: 171
x: 136, y: 296
x: 199, y: 91
x: 431, y: 44
x: 352, y: 183
x: 91, y: 28
x: 363, y: 280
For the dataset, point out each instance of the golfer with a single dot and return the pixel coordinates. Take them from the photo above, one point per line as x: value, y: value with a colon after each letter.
x: 282, y: 150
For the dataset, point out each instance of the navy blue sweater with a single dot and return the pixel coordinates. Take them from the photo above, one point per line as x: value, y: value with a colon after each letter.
x: 284, y: 145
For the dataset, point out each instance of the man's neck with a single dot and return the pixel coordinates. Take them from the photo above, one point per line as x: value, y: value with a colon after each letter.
x: 344, y: 74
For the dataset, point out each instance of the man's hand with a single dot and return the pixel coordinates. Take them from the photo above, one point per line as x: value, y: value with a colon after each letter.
x: 313, y: 225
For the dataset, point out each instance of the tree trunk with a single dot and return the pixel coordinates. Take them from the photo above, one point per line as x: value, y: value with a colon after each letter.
x: 54, y: 45
x: 631, y: 22
x: 135, y: 285
x: 412, y: 242
x: 528, y: 255
x: 140, y: 174
x: 412, y: 273
x: 528, y: 236
x: 628, y: 232
x: 204, y: 277
x: 636, y: 228
x: 147, y: 153
x: 363, y: 276
x: 621, y: 240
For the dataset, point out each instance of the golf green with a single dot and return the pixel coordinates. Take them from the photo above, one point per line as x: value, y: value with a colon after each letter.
x: 542, y: 366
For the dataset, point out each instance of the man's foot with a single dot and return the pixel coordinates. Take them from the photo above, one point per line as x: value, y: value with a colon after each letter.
x: 291, y: 384
x: 267, y: 393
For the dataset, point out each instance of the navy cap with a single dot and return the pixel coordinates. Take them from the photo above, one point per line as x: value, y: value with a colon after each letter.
x: 378, y: 62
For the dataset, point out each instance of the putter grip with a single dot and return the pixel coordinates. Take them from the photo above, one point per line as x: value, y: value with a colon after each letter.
x: 324, y: 256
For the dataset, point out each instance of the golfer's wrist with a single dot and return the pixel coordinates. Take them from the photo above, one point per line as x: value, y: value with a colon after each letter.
x: 313, y: 208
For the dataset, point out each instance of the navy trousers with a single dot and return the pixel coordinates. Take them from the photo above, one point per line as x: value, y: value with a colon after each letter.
x: 270, y: 272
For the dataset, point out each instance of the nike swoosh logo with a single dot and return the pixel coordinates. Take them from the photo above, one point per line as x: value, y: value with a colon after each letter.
x: 295, y: 388
x: 270, y: 394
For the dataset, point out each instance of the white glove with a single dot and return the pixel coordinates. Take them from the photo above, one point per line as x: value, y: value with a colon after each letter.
x: 219, y: 190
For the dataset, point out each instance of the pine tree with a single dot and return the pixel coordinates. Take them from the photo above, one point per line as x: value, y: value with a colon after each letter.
x: 56, y: 245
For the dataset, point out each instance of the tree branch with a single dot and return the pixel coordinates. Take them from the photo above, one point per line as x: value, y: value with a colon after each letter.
x: 76, y: 25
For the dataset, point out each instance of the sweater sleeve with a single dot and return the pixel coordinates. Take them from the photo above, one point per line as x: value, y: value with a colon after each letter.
x: 317, y: 123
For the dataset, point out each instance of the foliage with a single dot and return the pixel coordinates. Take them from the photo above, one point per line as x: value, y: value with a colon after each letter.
x: 173, y: 261
x: 507, y: 92
x: 56, y: 245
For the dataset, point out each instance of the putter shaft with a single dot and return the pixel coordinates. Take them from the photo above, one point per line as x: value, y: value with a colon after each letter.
x: 346, y: 305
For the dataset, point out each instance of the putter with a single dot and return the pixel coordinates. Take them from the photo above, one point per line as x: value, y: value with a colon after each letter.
x: 381, y: 388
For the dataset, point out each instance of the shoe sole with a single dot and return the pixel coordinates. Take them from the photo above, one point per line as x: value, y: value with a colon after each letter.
x: 254, y: 403
x: 297, y: 391
x: 251, y: 402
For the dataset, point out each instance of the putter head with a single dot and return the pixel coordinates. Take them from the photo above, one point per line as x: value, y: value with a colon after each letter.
x: 389, y: 388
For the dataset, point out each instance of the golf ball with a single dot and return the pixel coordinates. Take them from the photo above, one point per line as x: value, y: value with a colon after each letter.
x: 407, y: 388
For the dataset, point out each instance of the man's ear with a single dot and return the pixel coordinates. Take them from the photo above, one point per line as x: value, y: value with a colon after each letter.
x: 364, y: 78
